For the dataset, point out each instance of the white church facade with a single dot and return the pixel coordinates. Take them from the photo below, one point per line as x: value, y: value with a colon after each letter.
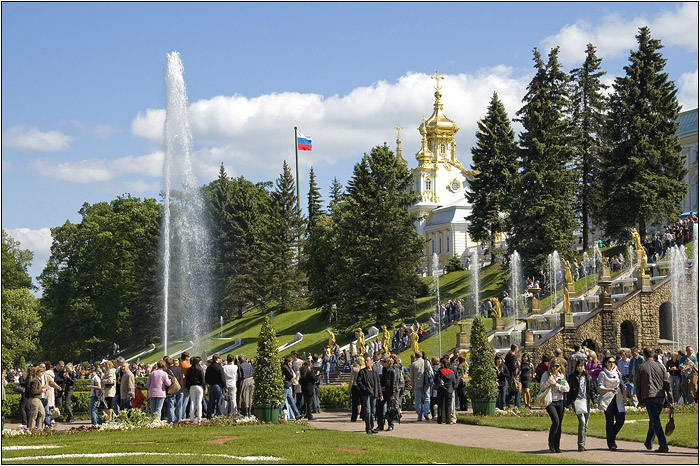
x: 440, y: 181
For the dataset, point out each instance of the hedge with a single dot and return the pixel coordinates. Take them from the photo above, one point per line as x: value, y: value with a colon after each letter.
x: 80, y: 385
x: 10, y: 408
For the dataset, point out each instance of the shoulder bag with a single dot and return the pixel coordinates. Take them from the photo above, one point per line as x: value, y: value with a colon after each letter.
x: 544, y: 398
x: 174, y: 384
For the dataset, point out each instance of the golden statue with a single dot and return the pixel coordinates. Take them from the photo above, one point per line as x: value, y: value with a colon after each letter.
x: 386, y: 339
x: 567, y: 272
x: 567, y: 303
x: 605, y: 261
x: 496, y: 307
x: 360, y: 342
x: 331, y: 338
x: 414, y: 341
x: 641, y: 253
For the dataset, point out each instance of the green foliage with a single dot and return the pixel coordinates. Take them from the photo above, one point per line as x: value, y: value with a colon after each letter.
x: 336, y: 193
x: 483, y: 382
x: 379, y: 251
x: 15, y: 262
x: 494, y: 160
x: 10, y: 408
x: 588, y: 113
x: 134, y: 418
x: 454, y: 265
x: 20, y: 326
x: 269, y: 382
x: 100, y: 282
x: 287, y: 228
x: 541, y: 218
x: 334, y: 396
x: 644, y: 168
x: 315, y: 208
x: 321, y: 261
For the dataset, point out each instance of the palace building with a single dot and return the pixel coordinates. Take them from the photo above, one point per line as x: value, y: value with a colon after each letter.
x: 440, y: 180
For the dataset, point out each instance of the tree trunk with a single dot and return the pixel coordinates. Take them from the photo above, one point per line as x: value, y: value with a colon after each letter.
x: 642, y: 230
x: 584, y: 219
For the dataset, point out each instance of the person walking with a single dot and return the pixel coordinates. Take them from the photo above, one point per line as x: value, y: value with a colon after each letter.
x: 389, y: 380
x: 581, y: 395
x: 96, y: 397
x: 353, y: 391
x: 109, y: 382
x: 651, y: 384
x: 554, y: 380
x: 36, y: 389
x: 611, y: 400
x: 446, y: 383
x: 127, y: 387
x: 68, y: 384
x: 526, y: 370
x: 289, y: 398
x: 504, y: 378
x: 368, y: 385
x: 216, y: 380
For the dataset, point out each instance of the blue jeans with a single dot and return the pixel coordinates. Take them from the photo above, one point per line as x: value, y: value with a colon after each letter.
x: 47, y: 413
x: 156, y: 405
x: 654, y: 407
x: 675, y: 382
x: 290, y: 403
x: 502, y: 397
x: 125, y: 404
x: 422, y: 402
x: 369, y: 404
x: 170, y: 408
x: 93, y: 407
x: 214, y: 406
x: 181, y: 399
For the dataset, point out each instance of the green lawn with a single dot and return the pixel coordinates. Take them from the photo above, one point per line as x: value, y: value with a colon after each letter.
x: 292, y: 443
x: 685, y: 435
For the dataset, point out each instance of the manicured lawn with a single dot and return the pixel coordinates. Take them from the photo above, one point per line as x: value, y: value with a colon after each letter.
x: 292, y: 443
x: 685, y: 435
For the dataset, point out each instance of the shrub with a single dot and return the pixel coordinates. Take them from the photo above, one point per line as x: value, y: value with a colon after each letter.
x: 334, y: 396
x: 453, y: 265
x: 483, y: 383
x: 269, y: 382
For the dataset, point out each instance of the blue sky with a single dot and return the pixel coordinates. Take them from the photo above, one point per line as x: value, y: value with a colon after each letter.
x: 83, y: 93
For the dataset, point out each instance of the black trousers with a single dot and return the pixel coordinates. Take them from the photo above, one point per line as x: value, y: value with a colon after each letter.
x: 24, y: 409
x: 355, y: 402
x: 444, y: 406
x: 69, y: 404
x: 556, y: 414
x: 308, y: 404
x: 614, y: 420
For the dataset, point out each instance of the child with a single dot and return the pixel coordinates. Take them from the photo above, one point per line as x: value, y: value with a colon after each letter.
x: 139, y: 398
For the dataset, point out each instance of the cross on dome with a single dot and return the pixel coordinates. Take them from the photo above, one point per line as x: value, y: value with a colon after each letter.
x: 437, y: 79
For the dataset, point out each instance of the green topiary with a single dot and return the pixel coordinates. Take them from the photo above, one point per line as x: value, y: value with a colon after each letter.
x: 483, y: 383
x: 269, y: 382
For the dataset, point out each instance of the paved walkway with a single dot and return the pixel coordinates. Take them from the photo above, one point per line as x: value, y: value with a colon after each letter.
x: 511, y: 440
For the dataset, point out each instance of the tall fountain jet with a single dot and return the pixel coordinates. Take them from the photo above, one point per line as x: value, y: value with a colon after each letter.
x: 516, y: 284
x: 185, y: 239
x: 474, y: 272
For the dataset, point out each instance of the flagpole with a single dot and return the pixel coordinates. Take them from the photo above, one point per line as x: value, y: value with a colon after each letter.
x: 296, y: 151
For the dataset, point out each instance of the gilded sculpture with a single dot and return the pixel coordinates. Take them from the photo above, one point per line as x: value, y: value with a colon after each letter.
x: 496, y: 307
x: 331, y: 338
x: 414, y: 341
x: 386, y: 339
x: 360, y: 341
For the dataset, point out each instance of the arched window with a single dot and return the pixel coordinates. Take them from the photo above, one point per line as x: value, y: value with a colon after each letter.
x: 442, y: 148
x: 590, y: 344
x: 665, y: 321
x: 427, y: 184
x: 627, y: 334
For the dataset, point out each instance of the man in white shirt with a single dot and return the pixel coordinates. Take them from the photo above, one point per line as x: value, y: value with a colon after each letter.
x: 231, y: 374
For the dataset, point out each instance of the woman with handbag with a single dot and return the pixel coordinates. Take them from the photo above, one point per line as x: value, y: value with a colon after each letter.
x: 503, y: 382
x: 581, y: 394
x: 109, y: 381
x: 611, y: 400
x: 554, y: 382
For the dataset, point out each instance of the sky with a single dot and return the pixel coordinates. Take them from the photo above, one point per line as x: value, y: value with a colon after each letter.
x: 83, y: 90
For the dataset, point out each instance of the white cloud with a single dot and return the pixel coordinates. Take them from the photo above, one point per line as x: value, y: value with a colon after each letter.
x: 614, y: 35
x: 83, y: 171
x: 38, y: 241
x: 256, y: 134
x: 148, y: 165
x: 141, y: 186
x: 29, y: 138
x: 688, y: 90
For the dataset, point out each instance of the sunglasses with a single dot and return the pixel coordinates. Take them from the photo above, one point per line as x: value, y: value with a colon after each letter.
x: 555, y: 366
x: 610, y: 362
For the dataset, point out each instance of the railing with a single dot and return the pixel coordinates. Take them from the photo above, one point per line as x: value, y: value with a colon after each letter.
x: 236, y: 343
x: 143, y: 353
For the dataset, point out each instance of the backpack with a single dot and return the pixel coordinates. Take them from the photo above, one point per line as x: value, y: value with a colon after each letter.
x: 428, y: 375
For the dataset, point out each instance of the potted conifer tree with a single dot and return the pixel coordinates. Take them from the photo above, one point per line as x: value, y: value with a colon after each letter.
x: 267, y: 375
x: 482, y: 387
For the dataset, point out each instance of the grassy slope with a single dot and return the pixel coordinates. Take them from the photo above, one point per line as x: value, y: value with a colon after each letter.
x: 294, y: 443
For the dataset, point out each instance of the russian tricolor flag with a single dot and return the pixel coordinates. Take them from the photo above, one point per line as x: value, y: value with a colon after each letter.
x: 303, y: 142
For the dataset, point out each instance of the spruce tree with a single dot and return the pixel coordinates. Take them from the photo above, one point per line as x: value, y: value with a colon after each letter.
x: 494, y: 160
x: 541, y: 216
x: 315, y: 208
x: 287, y: 228
x: 220, y: 214
x: 588, y: 113
x: 379, y: 249
x: 644, y: 172
x: 337, y: 193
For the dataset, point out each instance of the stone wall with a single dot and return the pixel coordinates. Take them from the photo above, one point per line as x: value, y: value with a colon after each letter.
x: 602, y: 327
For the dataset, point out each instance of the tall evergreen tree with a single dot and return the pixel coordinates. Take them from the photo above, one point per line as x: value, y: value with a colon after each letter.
x: 588, y: 113
x: 379, y: 249
x: 220, y: 213
x: 644, y: 172
x: 337, y: 193
x: 315, y: 208
x: 541, y: 218
x: 495, y: 162
x: 287, y: 228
